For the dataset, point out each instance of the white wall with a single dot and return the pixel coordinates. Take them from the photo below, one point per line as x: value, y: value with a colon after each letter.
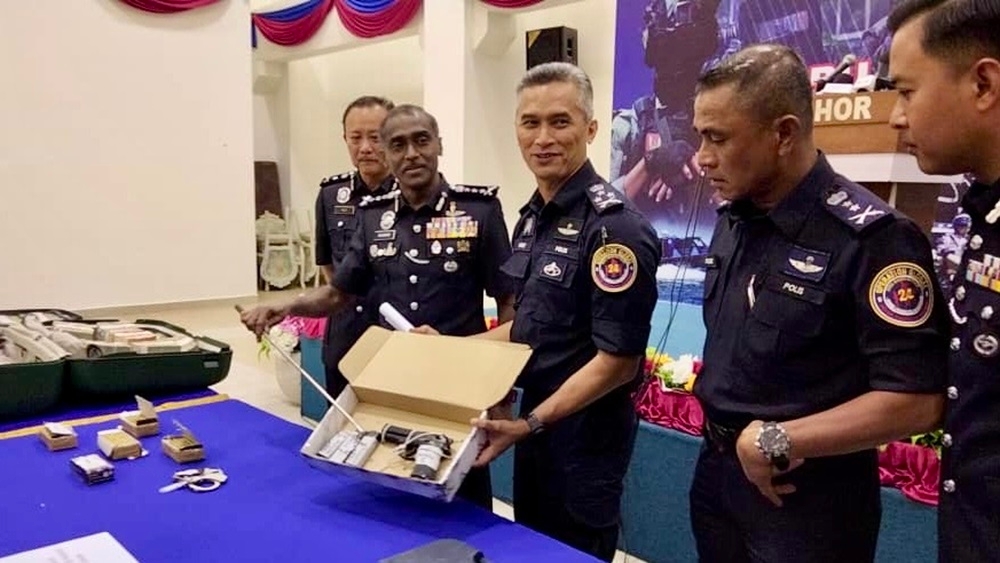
x: 319, y: 89
x: 271, y: 131
x: 490, y: 127
x: 320, y: 86
x: 125, y: 155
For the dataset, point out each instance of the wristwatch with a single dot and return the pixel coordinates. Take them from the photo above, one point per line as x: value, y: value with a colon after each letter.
x: 534, y: 425
x: 773, y: 442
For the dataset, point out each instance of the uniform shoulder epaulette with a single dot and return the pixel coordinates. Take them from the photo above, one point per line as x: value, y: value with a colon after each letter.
x: 481, y: 191
x: 337, y: 179
x: 370, y: 201
x: 856, y: 207
x: 604, y: 198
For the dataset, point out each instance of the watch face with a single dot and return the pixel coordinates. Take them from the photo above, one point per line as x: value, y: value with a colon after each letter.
x: 774, y: 441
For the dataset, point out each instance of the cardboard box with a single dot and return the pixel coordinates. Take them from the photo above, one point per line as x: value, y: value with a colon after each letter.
x: 116, y: 444
x: 183, y: 447
x: 433, y: 384
x: 57, y: 436
x: 143, y: 422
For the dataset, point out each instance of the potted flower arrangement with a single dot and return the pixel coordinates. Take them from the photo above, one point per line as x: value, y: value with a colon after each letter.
x: 673, y: 374
x: 286, y: 334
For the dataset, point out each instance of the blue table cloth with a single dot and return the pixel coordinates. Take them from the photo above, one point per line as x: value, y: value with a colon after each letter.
x: 273, y: 508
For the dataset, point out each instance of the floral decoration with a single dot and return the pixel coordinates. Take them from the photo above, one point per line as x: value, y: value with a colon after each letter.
x: 673, y: 374
x: 285, y: 335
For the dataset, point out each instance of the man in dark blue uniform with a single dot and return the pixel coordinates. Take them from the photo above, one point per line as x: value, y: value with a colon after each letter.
x: 826, y: 331
x: 429, y: 249
x: 945, y: 62
x: 337, y: 219
x: 585, y: 260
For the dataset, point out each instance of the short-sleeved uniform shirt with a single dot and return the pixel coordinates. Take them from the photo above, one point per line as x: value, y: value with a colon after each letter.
x: 337, y: 219
x: 586, y: 265
x: 586, y: 262
x: 827, y: 296
x: 432, y: 263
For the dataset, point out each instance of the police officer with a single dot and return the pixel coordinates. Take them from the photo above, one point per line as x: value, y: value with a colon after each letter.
x: 652, y: 146
x: 337, y: 220
x: 428, y: 248
x: 585, y: 260
x: 945, y: 62
x: 826, y: 331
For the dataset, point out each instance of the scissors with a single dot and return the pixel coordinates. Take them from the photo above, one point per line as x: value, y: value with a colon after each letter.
x: 202, y: 480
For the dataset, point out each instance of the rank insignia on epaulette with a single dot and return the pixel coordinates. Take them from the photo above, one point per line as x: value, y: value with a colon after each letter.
x: 602, y: 197
x: 336, y: 179
x: 856, y: 212
x: 485, y: 191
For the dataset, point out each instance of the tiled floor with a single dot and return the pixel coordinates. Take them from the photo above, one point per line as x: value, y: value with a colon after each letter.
x: 250, y: 379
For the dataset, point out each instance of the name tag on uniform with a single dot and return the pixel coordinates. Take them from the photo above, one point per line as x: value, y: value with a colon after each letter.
x: 796, y: 289
x: 343, y: 210
x: 385, y: 235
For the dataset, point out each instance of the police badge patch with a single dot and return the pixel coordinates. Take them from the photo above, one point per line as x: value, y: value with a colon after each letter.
x: 344, y: 195
x: 901, y: 295
x: 613, y: 267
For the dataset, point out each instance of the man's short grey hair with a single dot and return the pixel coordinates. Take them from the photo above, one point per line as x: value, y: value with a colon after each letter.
x: 547, y: 73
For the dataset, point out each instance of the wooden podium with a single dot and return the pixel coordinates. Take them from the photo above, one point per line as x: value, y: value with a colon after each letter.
x: 853, y: 131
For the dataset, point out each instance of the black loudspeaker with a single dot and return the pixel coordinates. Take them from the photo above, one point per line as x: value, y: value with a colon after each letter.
x: 551, y: 44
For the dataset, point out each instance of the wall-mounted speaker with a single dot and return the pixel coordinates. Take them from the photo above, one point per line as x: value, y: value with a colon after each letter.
x: 551, y: 44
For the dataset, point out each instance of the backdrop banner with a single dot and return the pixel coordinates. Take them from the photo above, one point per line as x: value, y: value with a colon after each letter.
x: 661, y: 48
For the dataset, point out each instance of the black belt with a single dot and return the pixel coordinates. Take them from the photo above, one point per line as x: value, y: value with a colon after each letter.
x: 721, y: 437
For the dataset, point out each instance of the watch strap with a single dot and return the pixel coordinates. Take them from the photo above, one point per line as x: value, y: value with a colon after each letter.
x: 534, y: 424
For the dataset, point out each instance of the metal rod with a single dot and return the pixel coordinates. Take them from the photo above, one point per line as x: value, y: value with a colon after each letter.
x: 308, y: 377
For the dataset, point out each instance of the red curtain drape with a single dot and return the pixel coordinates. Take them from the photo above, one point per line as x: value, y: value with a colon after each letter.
x: 293, y: 32
x: 511, y: 3
x: 374, y: 24
x: 167, y: 6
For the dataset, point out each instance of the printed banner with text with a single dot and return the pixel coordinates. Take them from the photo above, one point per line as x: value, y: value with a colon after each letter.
x: 661, y: 48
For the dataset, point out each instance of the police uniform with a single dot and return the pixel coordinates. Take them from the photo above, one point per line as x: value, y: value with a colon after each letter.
x: 585, y: 263
x: 824, y: 298
x: 432, y: 264
x: 969, y: 495
x: 336, y: 221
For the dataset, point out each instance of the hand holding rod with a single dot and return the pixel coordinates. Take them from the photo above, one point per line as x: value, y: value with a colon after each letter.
x: 308, y: 377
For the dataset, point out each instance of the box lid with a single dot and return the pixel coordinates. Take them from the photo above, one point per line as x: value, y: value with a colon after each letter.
x: 426, y: 373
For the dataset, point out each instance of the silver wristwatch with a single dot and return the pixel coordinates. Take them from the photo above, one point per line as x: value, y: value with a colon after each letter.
x: 773, y: 443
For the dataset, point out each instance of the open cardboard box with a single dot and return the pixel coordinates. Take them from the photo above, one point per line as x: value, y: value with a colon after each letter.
x: 425, y: 383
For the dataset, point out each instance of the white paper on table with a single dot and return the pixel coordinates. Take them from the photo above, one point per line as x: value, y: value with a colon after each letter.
x: 102, y: 547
